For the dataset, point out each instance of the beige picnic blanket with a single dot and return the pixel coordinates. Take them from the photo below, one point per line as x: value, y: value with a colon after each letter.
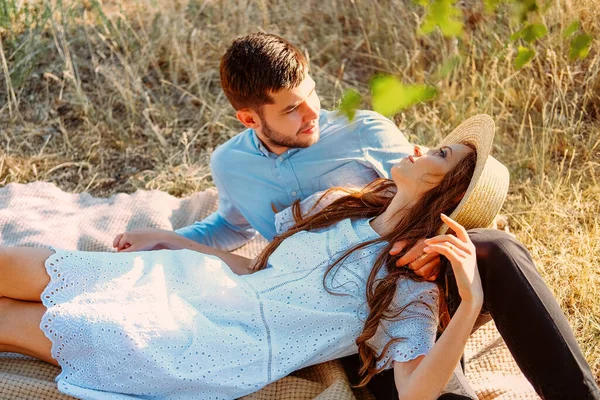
x: 40, y: 214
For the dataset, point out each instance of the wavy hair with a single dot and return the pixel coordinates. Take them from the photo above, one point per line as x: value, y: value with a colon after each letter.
x: 421, y: 221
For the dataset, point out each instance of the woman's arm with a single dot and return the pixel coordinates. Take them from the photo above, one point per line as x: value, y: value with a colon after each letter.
x: 163, y: 239
x: 426, y: 376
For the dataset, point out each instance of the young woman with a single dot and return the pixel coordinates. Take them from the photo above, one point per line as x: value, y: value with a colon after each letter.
x: 200, y: 323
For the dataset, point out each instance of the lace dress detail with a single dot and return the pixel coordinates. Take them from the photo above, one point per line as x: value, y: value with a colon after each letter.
x: 180, y: 325
x: 417, y: 329
x: 284, y: 219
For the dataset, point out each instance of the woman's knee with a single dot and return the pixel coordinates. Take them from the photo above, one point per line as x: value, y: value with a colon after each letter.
x: 23, y: 273
x: 20, y: 328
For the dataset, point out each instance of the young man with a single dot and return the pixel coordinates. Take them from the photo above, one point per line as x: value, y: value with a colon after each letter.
x: 293, y: 149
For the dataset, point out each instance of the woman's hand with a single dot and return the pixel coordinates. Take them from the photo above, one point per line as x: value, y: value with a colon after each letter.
x: 460, y: 251
x: 425, y: 377
x: 141, y: 239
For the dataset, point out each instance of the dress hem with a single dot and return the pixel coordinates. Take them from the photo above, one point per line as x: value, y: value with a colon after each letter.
x: 47, y: 321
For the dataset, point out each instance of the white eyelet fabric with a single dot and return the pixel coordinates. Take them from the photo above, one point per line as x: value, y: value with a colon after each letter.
x: 284, y: 219
x: 180, y: 325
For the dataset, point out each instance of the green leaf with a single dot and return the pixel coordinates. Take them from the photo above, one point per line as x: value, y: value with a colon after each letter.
x: 389, y: 95
x: 423, y: 3
x: 516, y: 35
x: 522, y: 8
x: 350, y: 103
x: 491, y: 5
x: 530, y: 33
x: 534, y: 32
x: 572, y: 28
x: 442, y: 14
x: 524, y: 55
x: 580, y: 47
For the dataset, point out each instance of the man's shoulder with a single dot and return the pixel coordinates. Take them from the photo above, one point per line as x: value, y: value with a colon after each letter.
x: 363, y: 115
x: 335, y: 118
x: 365, y: 126
x: 240, y: 143
x: 364, y: 120
x: 368, y: 119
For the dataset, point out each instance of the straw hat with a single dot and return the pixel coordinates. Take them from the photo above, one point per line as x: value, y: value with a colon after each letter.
x: 489, y: 184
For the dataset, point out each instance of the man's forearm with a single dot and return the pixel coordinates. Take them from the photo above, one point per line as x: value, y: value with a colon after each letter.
x: 214, y: 231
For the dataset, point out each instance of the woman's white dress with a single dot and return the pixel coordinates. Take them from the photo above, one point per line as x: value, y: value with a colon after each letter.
x: 180, y: 325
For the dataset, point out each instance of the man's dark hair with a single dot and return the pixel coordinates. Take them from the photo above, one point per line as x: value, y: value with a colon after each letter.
x: 257, y: 64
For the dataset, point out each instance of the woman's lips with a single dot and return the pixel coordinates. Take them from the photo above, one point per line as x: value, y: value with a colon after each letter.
x: 412, y: 160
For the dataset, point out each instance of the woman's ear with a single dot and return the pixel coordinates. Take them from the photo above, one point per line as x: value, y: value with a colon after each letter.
x: 248, y: 118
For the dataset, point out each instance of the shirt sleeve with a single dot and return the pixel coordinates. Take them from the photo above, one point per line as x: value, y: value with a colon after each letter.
x: 383, y: 144
x: 416, y: 326
x: 225, y: 229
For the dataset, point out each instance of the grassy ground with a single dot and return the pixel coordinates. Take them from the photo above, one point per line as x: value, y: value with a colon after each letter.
x: 125, y: 95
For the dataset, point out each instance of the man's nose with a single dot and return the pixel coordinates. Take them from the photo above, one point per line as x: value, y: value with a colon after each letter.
x: 310, y: 111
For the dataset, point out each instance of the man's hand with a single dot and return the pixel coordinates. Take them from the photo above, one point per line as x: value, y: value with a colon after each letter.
x: 141, y: 239
x: 423, y: 264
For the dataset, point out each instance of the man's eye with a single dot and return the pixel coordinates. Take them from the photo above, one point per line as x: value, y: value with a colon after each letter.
x: 291, y: 111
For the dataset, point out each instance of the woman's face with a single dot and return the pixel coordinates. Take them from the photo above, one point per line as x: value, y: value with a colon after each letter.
x: 426, y: 168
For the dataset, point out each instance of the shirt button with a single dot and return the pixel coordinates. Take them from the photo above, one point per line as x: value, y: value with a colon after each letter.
x: 294, y: 193
x: 280, y: 159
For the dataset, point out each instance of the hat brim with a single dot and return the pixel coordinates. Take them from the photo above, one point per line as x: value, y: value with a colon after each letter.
x: 489, y: 183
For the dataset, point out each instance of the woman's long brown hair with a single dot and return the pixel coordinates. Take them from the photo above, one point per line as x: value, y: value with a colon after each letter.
x: 421, y: 221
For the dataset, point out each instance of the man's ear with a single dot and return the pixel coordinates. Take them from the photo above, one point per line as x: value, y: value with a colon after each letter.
x: 248, y: 118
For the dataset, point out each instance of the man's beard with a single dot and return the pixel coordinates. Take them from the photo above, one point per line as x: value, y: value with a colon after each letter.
x: 277, y: 139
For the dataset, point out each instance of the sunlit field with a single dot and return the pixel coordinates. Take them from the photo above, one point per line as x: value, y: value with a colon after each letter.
x: 118, y: 96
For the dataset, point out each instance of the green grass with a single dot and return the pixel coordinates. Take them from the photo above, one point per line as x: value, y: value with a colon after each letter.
x: 124, y: 95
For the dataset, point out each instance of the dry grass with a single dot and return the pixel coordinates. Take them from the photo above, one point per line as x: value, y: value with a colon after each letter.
x: 125, y: 95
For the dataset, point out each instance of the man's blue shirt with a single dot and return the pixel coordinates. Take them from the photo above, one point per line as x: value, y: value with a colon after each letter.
x: 250, y: 179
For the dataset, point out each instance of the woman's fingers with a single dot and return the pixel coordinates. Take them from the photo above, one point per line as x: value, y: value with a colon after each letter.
x: 448, y: 250
x: 454, y: 254
x: 460, y: 231
x: 460, y: 241
x: 451, y: 239
x: 123, y: 243
x: 464, y: 265
x: 117, y: 239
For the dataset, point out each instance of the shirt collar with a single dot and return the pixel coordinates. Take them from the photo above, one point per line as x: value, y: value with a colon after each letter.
x: 323, y: 118
x: 261, y: 147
